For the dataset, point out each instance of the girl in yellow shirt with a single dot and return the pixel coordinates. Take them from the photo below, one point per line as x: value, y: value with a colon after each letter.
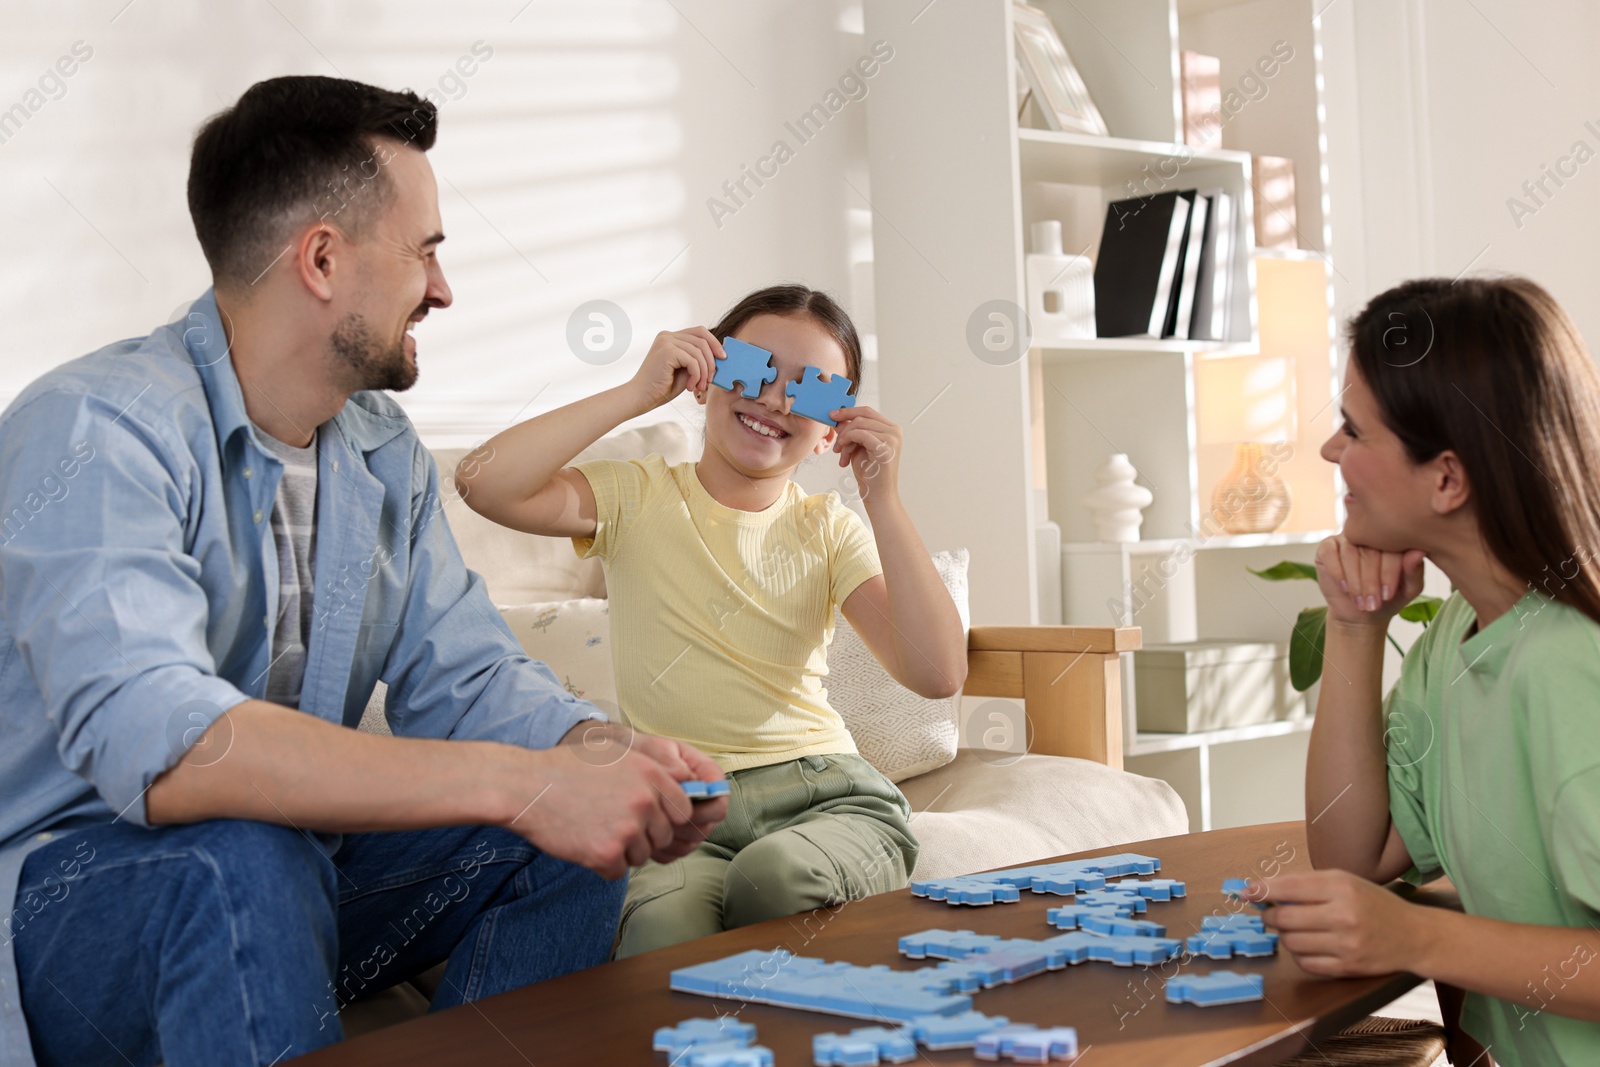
x: 723, y: 577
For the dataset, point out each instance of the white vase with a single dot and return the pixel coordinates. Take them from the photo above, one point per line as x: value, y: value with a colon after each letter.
x: 1117, y: 503
x: 1060, y: 289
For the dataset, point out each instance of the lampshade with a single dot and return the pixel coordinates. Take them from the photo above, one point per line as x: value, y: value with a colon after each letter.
x: 1245, y: 399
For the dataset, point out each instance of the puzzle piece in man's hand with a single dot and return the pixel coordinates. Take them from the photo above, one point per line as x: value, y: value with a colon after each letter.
x: 745, y: 364
x: 814, y: 398
x: 706, y: 790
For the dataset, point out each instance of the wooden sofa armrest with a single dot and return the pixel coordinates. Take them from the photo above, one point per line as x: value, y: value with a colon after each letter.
x: 1069, y: 679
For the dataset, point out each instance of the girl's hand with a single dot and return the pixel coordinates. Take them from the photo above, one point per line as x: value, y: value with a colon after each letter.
x: 677, y: 360
x: 871, y: 444
x: 1366, y: 586
x: 1339, y: 925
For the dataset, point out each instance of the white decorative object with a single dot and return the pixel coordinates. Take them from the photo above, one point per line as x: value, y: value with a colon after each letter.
x: 1117, y: 503
x: 1060, y: 289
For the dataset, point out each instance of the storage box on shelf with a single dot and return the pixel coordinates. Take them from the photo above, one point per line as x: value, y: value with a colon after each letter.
x: 1215, y: 685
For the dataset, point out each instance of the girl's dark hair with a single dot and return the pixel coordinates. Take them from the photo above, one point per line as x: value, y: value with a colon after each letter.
x: 1494, y: 371
x: 799, y: 300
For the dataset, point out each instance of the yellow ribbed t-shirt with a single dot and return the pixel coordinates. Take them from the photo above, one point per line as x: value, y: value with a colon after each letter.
x: 720, y: 618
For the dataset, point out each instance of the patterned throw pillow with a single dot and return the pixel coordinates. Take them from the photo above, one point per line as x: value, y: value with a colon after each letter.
x: 897, y: 731
x: 574, y: 638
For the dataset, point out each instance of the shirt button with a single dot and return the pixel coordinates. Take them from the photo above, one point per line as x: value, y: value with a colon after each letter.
x: 44, y: 837
x: 249, y: 472
x: 258, y: 514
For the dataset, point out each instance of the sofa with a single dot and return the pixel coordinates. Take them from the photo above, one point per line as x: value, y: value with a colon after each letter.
x: 976, y: 807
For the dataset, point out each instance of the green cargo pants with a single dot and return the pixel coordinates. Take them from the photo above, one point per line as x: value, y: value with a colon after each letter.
x: 810, y: 833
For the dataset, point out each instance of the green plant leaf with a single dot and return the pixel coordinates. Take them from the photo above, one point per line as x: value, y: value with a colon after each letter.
x: 1305, y: 648
x: 1285, y: 571
x: 1423, y: 609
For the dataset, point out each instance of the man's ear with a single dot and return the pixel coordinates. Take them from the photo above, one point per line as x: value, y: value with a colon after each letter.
x: 318, y: 253
x: 1451, y: 490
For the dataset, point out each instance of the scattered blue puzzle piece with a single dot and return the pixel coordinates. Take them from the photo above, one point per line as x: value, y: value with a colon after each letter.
x: 814, y: 398
x: 706, y: 790
x: 1122, y: 863
x: 1127, y: 951
x: 1225, y: 944
x: 1071, y: 916
x: 745, y: 364
x: 1155, y: 888
x: 1233, y: 889
x: 1233, y: 923
x: 866, y: 1047
x: 1218, y: 987
x: 937, y: 1033
x: 1099, y: 897
x: 1120, y: 927
x: 1026, y: 1043
x: 727, y: 1054
x: 674, y: 1039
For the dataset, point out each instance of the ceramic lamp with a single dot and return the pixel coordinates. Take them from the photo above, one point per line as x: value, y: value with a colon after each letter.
x: 1117, y: 502
x: 1248, y: 402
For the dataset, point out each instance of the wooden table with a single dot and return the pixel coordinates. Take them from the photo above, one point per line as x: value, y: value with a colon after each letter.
x: 606, y: 1015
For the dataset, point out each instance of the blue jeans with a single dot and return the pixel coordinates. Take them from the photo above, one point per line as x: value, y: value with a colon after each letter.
x: 235, y: 942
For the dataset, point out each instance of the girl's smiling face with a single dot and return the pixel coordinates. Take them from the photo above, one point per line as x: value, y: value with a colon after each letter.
x: 762, y: 437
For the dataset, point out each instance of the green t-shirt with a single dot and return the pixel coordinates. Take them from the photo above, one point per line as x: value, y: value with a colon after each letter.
x: 1494, y: 780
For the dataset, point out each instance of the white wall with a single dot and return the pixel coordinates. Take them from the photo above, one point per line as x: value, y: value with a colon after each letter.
x: 1438, y: 112
x: 574, y: 164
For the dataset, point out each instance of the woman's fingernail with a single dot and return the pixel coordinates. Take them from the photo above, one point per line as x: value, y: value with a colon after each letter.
x: 1387, y: 593
x: 1344, y: 586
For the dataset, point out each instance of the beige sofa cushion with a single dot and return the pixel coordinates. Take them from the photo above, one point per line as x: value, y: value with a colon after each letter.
x: 897, y: 731
x: 997, y: 809
x: 524, y: 568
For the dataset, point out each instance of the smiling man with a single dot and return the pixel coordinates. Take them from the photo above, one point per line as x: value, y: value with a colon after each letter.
x: 217, y: 539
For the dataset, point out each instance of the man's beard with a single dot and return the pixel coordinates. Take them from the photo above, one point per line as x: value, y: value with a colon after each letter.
x: 371, y: 365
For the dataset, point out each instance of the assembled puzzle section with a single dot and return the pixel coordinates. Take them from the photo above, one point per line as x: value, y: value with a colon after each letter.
x: 745, y: 364
x: 1067, y: 878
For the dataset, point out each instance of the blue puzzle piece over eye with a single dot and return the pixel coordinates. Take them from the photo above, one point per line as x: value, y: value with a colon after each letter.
x: 745, y: 364
x: 815, y: 398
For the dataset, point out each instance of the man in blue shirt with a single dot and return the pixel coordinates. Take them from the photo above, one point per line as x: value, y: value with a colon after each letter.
x: 227, y: 508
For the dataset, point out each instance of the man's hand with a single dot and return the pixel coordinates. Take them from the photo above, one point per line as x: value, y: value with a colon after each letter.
x: 620, y: 802
x: 1339, y: 925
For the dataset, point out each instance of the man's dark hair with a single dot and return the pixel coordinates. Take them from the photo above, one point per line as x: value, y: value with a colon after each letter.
x: 290, y: 151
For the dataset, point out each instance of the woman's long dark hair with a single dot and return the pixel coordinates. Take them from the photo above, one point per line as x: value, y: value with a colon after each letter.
x: 799, y: 300
x: 1494, y: 371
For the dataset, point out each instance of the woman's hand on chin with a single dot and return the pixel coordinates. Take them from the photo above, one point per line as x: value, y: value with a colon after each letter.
x: 1366, y: 586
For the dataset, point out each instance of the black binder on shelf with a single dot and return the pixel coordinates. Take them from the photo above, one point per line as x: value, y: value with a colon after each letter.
x: 1141, y: 252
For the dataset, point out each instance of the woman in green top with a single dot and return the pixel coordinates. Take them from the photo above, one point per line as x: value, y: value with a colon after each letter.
x: 1471, y: 438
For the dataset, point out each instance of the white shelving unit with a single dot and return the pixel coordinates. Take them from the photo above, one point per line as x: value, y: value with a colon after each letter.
x: 955, y: 182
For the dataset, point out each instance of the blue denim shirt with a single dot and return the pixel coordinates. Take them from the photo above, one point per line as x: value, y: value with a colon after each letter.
x: 138, y: 581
